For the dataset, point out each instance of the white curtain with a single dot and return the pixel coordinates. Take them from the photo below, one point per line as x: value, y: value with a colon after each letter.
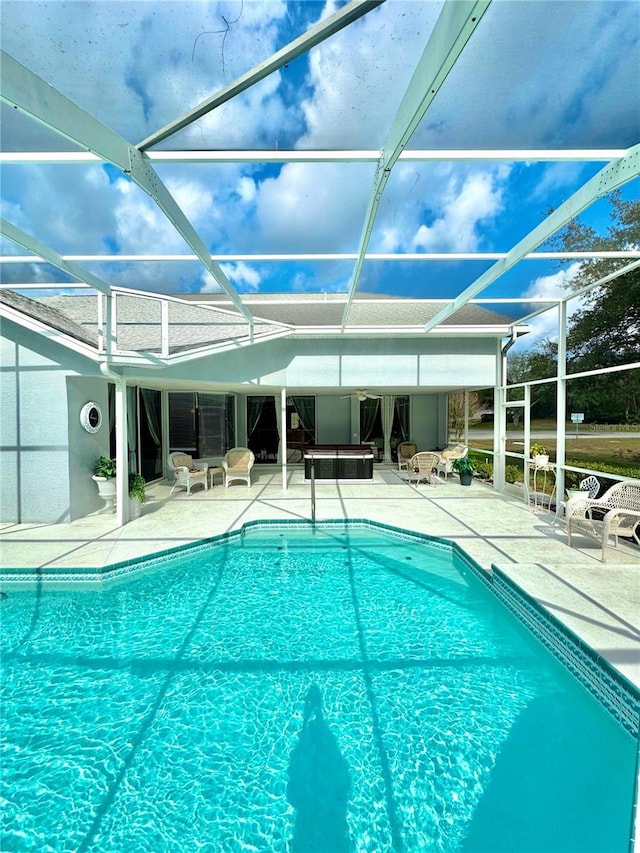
x: 388, y: 408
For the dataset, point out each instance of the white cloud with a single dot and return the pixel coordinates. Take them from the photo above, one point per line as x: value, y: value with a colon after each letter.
x: 356, y: 84
x: 552, y: 287
x: 246, y: 189
x: 141, y: 226
x: 242, y: 274
x: 464, y: 208
x: 209, y: 284
x: 193, y: 199
x: 239, y: 274
x: 557, y: 176
x: 313, y: 207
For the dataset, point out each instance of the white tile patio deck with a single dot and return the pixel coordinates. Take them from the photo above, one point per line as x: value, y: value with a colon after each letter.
x: 599, y: 602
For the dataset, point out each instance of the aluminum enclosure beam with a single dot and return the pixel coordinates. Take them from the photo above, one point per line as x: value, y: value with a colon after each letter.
x: 29, y: 93
x: 455, y: 25
x: 421, y: 257
x: 345, y: 155
x: 614, y: 175
x: 52, y: 257
x: 317, y: 34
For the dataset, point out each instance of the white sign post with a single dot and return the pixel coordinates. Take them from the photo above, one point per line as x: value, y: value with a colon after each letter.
x: 577, y: 418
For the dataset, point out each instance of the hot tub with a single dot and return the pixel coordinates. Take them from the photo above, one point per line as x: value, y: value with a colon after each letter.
x: 339, y: 462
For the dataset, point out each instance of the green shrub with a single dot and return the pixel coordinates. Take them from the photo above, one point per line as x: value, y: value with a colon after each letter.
x: 512, y: 474
x: 136, y: 487
x: 606, y: 468
x: 484, y: 470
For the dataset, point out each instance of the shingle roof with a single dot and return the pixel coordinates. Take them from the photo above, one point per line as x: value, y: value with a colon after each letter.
x: 214, y: 320
x: 367, y: 310
x: 49, y: 314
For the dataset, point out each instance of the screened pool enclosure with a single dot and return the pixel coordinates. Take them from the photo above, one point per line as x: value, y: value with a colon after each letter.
x: 305, y: 202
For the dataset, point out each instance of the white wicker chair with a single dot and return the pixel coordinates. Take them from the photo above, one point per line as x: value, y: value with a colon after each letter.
x: 422, y: 466
x: 448, y: 457
x: 237, y: 465
x: 616, y: 514
x: 187, y: 471
x: 590, y: 485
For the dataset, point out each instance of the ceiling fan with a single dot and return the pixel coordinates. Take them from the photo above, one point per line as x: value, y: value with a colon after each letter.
x: 361, y: 395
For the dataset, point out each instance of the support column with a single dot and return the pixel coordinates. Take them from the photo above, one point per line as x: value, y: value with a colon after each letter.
x: 499, y: 419
x: 499, y: 438
x: 122, y: 455
x: 561, y: 402
x: 283, y: 437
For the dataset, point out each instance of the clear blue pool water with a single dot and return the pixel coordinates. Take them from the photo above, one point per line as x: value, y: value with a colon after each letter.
x: 335, y: 691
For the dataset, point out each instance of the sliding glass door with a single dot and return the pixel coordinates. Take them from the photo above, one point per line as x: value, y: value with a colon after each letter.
x: 202, y: 425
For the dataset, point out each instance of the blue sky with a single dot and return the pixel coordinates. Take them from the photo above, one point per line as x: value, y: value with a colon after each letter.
x: 536, y: 74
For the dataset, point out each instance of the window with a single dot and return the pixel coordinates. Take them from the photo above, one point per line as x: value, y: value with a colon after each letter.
x: 201, y: 424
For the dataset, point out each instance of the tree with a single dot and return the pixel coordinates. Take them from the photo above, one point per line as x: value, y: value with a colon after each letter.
x: 455, y: 410
x: 537, y: 364
x: 603, y: 332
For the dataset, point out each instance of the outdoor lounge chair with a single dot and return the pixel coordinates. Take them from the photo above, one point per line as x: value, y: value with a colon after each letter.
x: 616, y: 514
x: 187, y: 471
x: 237, y: 464
x: 406, y: 450
x: 448, y: 457
x: 422, y: 466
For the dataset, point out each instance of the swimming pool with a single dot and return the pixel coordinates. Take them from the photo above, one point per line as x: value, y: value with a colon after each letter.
x: 297, y: 689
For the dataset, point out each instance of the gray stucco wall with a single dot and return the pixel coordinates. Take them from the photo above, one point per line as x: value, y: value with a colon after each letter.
x: 348, y: 364
x: 86, y: 447
x: 36, y: 432
x: 429, y: 420
x: 333, y: 420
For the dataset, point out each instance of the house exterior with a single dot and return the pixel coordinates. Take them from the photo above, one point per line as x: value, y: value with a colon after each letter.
x: 59, y: 353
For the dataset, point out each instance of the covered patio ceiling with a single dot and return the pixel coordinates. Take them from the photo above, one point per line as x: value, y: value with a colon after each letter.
x: 413, y: 149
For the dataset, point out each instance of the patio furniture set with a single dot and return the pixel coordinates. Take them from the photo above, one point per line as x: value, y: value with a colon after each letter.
x: 428, y: 465
x: 616, y: 514
x: 613, y: 515
x: 235, y: 465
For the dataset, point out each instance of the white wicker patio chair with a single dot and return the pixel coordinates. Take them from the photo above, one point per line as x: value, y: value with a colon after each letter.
x: 423, y: 466
x: 616, y: 514
x: 448, y: 457
x: 187, y: 471
x: 237, y: 464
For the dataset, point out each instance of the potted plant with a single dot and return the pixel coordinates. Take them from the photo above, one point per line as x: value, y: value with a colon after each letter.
x: 465, y: 468
x: 539, y: 455
x: 104, y: 475
x: 137, y: 495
